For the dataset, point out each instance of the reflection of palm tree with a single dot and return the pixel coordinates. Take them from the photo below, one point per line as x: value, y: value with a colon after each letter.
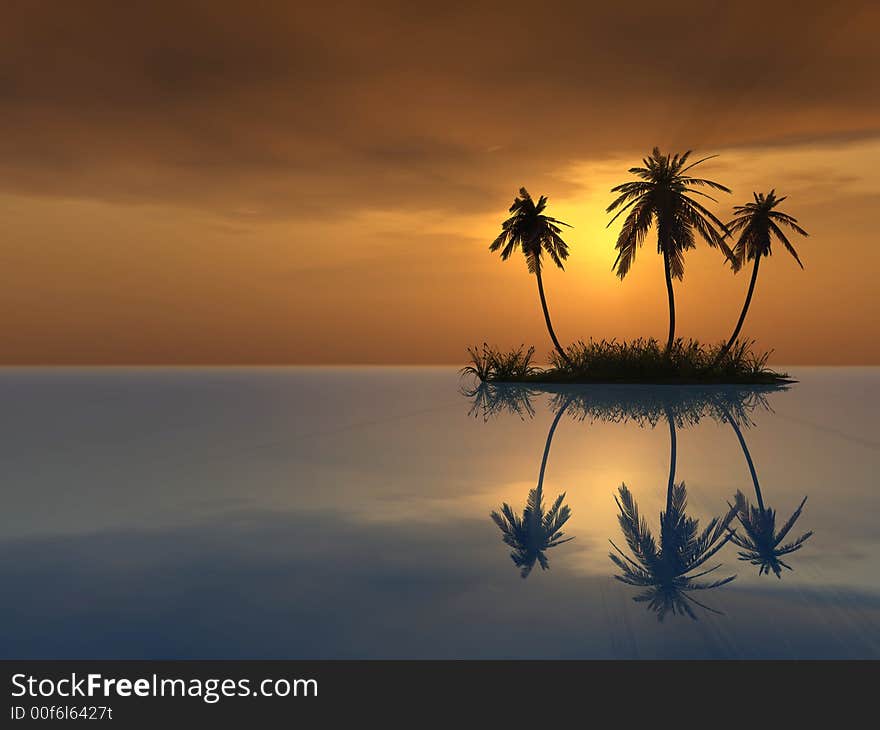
x: 535, y: 233
x: 536, y: 531
x: 639, y: 404
x: 667, y: 573
x: 761, y: 543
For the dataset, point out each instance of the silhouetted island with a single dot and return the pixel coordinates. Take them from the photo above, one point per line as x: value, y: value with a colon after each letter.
x: 667, y: 197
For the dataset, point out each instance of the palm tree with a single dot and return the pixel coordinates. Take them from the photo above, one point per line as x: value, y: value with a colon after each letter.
x: 666, y: 573
x: 536, y: 531
x: 761, y: 543
x: 757, y: 223
x: 534, y: 233
x: 661, y: 197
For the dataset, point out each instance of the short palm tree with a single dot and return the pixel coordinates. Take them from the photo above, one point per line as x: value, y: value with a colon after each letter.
x: 536, y: 531
x: 535, y: 234
x: 667, y: 573
x: 761, y: 544
x: 661, y: 197
x: 757, y: 224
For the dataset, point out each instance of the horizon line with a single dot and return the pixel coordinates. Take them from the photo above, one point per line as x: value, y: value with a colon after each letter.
x: 240, y: 365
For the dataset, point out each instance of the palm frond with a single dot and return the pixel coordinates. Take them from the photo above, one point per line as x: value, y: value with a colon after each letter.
x: 668, y: 574
x: 757, y: 222
x: 535, y: 532
x: 534, y: 233
x: 632, y: 235
x: 661, y: 195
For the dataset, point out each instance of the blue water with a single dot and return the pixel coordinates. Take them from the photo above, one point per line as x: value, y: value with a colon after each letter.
x: 345, y: 512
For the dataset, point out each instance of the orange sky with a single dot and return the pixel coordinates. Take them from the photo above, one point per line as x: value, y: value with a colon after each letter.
x: 214, y: 183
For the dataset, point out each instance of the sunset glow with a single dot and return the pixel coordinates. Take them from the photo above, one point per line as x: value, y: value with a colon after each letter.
x: 230, y: 188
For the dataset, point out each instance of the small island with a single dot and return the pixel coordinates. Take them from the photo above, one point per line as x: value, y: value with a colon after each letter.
x: 638, y: 361
x: 664, y: 196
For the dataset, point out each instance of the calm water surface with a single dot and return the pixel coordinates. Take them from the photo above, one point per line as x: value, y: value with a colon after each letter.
x: 336, y: 512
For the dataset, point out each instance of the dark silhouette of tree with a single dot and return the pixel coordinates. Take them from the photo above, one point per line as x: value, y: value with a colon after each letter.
x: 667, y: 572
x: 757, y: 224
x: 660, y: 197
x: 761, y: 544
x: 536, y: 531
x: 535, y: 234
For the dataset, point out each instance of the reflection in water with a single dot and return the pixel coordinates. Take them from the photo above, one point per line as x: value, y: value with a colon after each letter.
x: 493, y: 399
x: 535, y: 532
x: 648, y: 405
x: 761, y: 543
x: 342, y: 513
x: 669, y: 572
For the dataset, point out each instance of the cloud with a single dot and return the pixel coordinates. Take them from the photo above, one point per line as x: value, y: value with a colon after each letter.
x: 296, y: 112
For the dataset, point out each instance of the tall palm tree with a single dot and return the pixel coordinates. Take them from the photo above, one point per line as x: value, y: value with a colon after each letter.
x: 757, y: 223
x: 761, y: 543
x: 666, y: 573
x: 535, y: 234
x: 536, y: 531
x: 661, y: 197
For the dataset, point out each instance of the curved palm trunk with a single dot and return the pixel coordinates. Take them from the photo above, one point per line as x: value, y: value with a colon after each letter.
x: 673, y: 449
x: 745, y: 450
x: 742, y: 316
x: 540, y: 487
x: 671, y: 295
x: 547, y: 317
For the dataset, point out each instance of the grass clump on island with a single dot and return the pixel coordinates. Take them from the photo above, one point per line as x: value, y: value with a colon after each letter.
x: 636, y: 361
